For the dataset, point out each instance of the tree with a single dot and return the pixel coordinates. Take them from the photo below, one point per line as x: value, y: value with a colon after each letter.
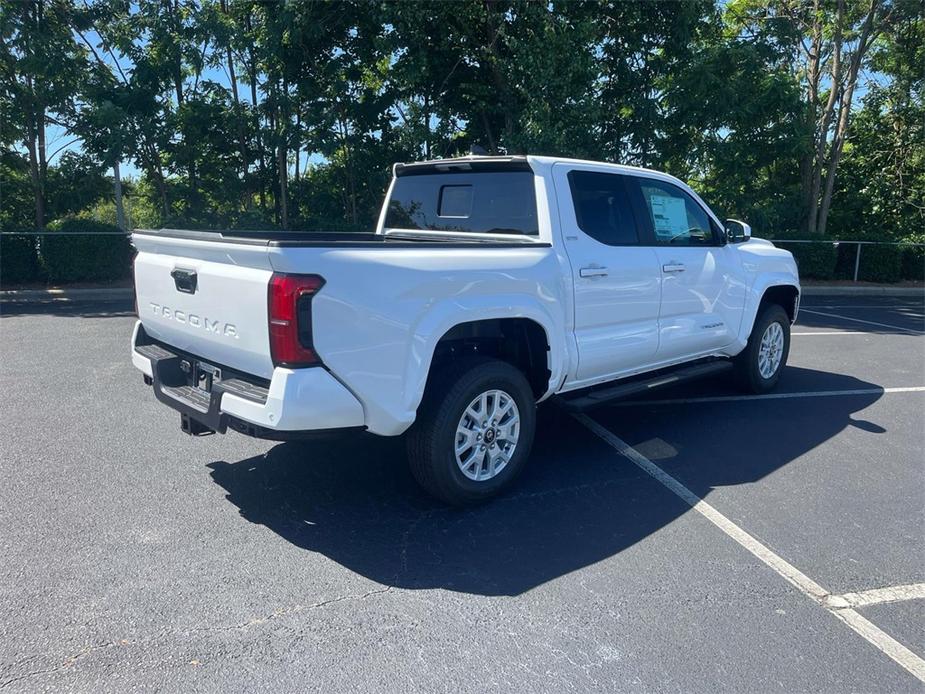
x: 881, y: 187
x: 42, y: 66
x: 829, y: 42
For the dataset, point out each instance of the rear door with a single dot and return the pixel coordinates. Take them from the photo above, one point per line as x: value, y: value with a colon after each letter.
x: 616, y: 275
x: 206, y: 297
x: 702, y: 296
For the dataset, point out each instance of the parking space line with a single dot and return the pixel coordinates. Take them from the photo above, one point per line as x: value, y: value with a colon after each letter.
x: 888, y: 307
x: 833, y: 332
x: 770, y: 396
x: 877, y: 596
x: 880, y: 639
x: 861, y: 320
x: 877, y: 307
x: 861, y: 626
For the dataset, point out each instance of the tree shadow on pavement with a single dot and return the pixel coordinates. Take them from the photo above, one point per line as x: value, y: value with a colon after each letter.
x: 577, y: 503
x: 118, y: 308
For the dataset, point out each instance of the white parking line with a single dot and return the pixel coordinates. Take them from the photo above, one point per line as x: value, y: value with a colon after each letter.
x: 863, y: 627
x: 769, y: 396
x: 879, y: 307
x: 877, y: 596
x: 833, y: 332
x: 860, y: 320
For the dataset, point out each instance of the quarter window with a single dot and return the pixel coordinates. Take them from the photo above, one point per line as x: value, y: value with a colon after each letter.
x: 602, y: 207
x: 676, y: 217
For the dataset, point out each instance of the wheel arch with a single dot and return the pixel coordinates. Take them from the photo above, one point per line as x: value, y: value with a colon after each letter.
x: 784, y: 295
x: 520, y: 341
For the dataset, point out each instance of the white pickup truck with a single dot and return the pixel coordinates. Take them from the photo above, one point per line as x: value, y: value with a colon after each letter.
x: 490, y: 284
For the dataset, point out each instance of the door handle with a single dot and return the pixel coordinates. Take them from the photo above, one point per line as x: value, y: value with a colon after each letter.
x: 674, y: 267
x: 593, y: 271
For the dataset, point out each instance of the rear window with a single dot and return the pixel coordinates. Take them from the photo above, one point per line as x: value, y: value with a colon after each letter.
x: 493, y: 202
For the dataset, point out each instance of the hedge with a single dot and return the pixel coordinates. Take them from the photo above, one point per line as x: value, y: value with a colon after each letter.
x: 878, y: 263
x: 884, y: 264
x: 19, y: 259
x: 814, y: 260
x: 912, y: 265
x: 72, y: 255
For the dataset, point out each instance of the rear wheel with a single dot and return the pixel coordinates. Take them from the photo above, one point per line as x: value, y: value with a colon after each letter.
x: 759, y: 365
x: 474, y: 431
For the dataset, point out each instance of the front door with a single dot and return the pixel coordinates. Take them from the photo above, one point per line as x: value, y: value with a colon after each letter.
x: 702, y: 295
x: 616, y: 276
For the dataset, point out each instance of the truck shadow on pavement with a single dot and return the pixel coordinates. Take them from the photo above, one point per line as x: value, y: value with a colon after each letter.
x: 578, y: 502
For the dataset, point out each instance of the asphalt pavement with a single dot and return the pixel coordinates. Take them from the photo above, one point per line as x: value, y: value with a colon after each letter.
x: 133, y: 557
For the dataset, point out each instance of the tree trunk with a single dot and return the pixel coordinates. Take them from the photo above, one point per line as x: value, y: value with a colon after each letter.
x: 810, y: 114
x: 348, y: 170
x: 117, y: 189
x: 252, y: 75
x: 152, y: 165
x: 37, y: 187
x: 491, y: 140
x: 282, y: 160
x: 426, y: 127
x: 283, y: 188
x: 822, y: 132
x: 298, y: 140
x: 841, y: 127
x: 242, y: 139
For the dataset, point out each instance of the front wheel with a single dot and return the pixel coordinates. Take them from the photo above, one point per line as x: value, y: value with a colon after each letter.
x: 474, y: 431
x: 759, y: 365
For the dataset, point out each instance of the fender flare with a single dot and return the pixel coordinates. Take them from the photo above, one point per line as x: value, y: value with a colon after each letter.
x: 447, y: 314
x: 756, y: 294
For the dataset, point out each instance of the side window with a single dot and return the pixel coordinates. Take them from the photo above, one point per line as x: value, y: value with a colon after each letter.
x: 602, y: 207
x: 676, y: 218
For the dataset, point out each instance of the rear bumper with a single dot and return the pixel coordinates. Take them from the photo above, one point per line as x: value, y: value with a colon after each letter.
x: 294, y: 401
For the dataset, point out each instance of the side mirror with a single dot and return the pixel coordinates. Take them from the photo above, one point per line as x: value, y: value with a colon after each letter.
x: 737, y: 231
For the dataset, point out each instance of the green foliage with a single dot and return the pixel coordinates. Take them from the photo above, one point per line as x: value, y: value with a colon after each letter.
x: 261, y: 115
x: 18, y: 259
x: 17, y: 206
x: 73, y: 254
x: 877, y: 263
x: 815, y: 260
x: 912, y: 266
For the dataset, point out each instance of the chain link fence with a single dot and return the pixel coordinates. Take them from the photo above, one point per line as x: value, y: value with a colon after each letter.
x: 89, y: 251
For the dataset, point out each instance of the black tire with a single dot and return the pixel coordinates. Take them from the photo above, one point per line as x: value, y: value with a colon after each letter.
x: 431, y: 441
x: 748, y: 373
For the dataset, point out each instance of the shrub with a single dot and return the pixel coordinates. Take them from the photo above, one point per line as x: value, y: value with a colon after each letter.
x: 72, y: 254
x: 912, y: 265
x: 878, y: 263
x: 814, y: 260
x: 19, y: 260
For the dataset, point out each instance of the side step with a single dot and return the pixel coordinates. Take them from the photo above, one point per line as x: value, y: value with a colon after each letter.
x: 588, y: 399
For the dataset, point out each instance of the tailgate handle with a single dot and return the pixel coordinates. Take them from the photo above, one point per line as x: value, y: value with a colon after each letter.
x: 185, y: 280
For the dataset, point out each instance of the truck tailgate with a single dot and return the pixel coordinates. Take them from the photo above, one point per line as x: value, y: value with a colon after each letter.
x: 208, y: 298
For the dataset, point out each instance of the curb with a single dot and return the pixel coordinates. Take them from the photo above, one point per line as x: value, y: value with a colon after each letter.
x: 109, y: 294
x: 863, y: 291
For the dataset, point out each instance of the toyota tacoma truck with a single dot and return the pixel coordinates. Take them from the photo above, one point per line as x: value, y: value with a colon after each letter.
x: 490, y: 284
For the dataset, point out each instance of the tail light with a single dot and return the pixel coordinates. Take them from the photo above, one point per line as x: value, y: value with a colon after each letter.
x: 289, y: 304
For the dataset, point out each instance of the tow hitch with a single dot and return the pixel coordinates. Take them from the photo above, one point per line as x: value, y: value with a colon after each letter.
x: 194, y: 427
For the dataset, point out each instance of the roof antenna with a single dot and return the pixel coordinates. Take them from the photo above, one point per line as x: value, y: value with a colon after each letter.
x: 477, y: 150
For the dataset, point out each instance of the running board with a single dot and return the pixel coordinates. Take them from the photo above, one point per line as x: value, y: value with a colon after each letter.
x: 602, y: 396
